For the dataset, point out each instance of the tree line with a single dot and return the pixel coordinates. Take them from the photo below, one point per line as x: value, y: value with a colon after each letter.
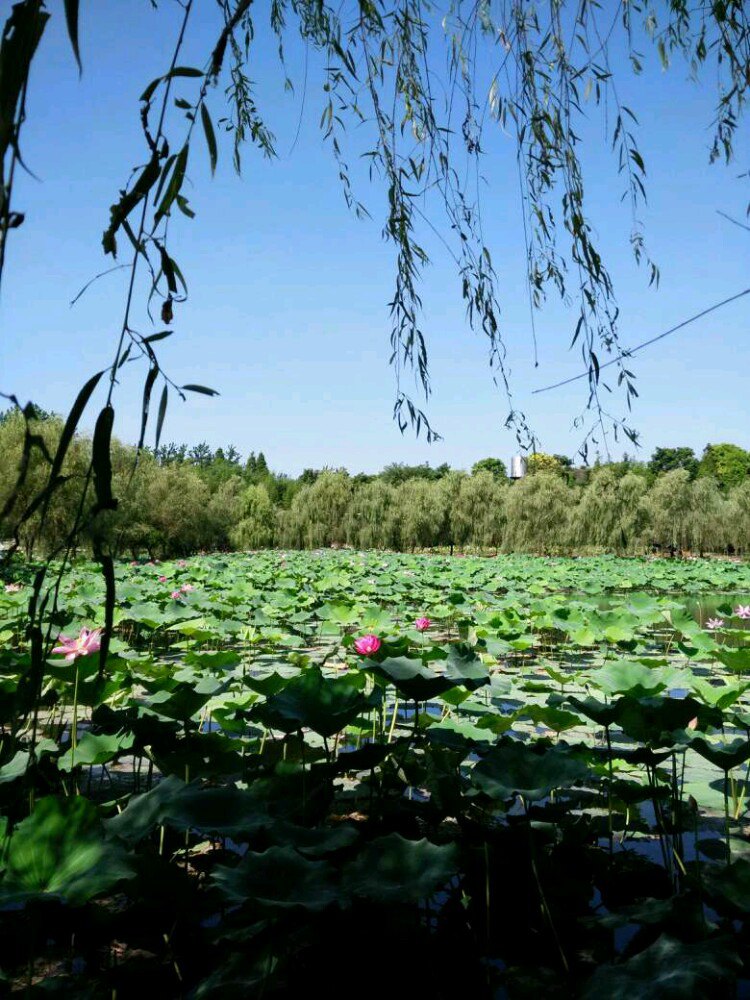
x: 181, y: 499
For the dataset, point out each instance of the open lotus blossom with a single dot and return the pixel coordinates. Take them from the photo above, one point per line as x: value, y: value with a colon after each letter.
x: 176, y: 595
x: 741, y: 611
x: 366, y: 645
x: 13, y: 588
x: 89, y: 641
x: 186, y: 588
x: 422, y: 624
x: 182, y: 564
x: 713, y: 623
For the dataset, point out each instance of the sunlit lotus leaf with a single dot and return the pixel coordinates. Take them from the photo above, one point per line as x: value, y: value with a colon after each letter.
x: 719, y: 695
x: 554, y: 718
x: 736, y: 660
x: 15, y: 767
x: 632, y: 677
x: 458, y: 735
x: 180, y: 703
x: 218, y: 660
x: 95, y: 749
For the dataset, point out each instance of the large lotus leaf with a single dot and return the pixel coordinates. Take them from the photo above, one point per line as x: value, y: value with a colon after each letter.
x: 554, y: 718
x: 226, y: 811
x: 314, y: 842
x: 655, y: 721
x: 278, y: 879
x: 215, y: 661
x: 339, y: 613
x: 464, y: 667
x: 200, y: 755
x: 392, y: 869
x: 311, y: 701
x: 411, y: 677
x: 516, y: 769
x: 365, y: 758
x: 736, y: 660
x: 60, y: 851
x: 181, y: 703
x: 718, y: 695
x: 93, y: 750
x: 15, y: 767
x: 597, y: 711
x: 668, y: 970
x: 267, y: 685
x: 723, y: 755
x: 634, y: 678
x: 729, y: 884
x: 458, y: 734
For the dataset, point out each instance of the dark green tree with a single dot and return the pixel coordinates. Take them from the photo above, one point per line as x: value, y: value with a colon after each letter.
x: 668, y: 459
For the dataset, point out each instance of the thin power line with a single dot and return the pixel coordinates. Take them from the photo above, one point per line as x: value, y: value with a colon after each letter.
x: 646, y: 343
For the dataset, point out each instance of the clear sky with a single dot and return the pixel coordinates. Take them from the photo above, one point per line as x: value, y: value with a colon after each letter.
x: 288, y: 309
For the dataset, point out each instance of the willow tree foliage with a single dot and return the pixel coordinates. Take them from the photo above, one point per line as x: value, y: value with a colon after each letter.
x: 538, y: 515
x: 610, y: 514
x: 256, y: 527
x: 371, y: 521
x: 670, y: 506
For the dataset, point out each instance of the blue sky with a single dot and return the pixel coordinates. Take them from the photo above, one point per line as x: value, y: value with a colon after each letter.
x: 288, y: 315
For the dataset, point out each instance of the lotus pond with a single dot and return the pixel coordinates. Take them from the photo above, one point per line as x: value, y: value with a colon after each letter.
x: 533, y: 777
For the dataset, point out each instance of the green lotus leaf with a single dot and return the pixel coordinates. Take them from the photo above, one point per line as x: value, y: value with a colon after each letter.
x: 94, y: 750
x: 411, y: 677
x: 393, y: 869
x: 668, y: 970
x: 311, y: 701
x: 516, y: 769
x: 278, y: 879
x: 60, y: 851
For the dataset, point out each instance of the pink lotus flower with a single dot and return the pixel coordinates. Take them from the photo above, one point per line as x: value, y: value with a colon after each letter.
x: 13, y: 588
x: 741, y: 611
x: 714, y: 623
x: 182, y: 564
x: 134, y: 562
x: 366, y: 645
x: 162, y: 579
x: 176, y: 595
x: 186, y: 588
x: 422, y: 624
x: 89, y: 641
x: 693, y: 723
